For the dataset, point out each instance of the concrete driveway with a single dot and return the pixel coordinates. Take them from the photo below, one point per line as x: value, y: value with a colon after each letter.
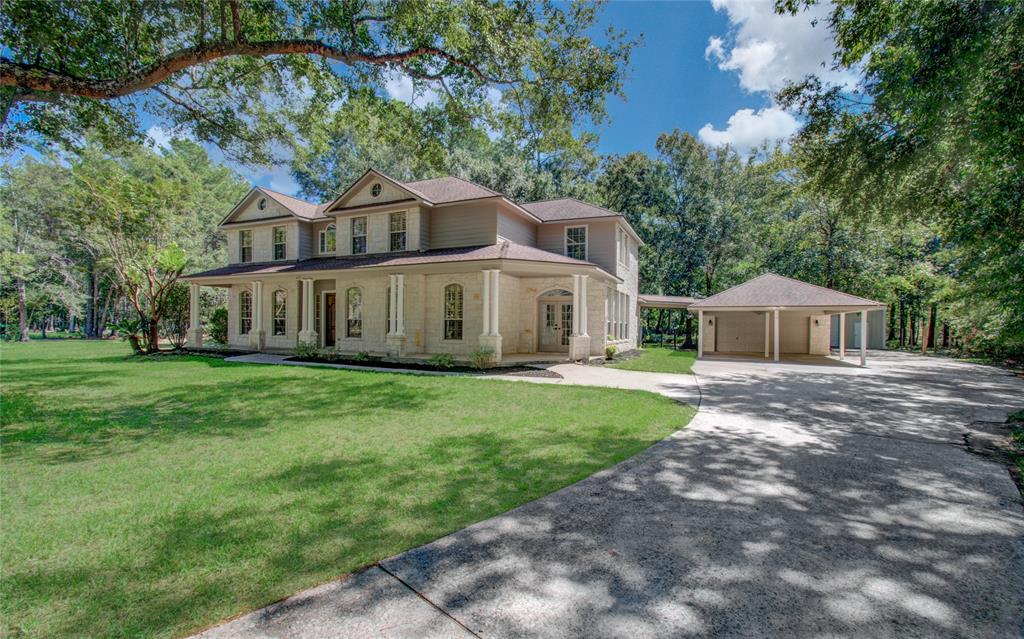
x: 802, y: 501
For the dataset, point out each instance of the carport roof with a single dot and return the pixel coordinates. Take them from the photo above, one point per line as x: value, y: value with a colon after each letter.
x: 771, y: 290
x: 665, y: 301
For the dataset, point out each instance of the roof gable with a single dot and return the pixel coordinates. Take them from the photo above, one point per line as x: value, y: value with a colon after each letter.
x: 770, y: 290
x: 361, y: 192
x: 263, y: 204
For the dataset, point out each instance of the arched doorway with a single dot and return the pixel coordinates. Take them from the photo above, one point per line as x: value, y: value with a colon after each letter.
x: 554, y: 320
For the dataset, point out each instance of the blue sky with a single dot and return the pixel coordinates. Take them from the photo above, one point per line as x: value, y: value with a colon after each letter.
x: 707, y: 67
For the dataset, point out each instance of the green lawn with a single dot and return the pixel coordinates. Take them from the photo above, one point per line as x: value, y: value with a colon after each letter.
x: 659, y: 359
x: 148, y: 497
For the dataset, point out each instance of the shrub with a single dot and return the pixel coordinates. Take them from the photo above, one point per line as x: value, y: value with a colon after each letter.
x: 175, y: 315
x: 482, y: 357
x: 129, y: 329
x: 361, y: 356
x: 609, y: 351
x: 306, y: 350
x: 442, y: 360
x: 218, y: 326
x: 329, y: 354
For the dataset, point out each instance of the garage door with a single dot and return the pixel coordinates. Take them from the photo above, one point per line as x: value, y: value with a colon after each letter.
x: 794, y: 332
x: 739, y: 332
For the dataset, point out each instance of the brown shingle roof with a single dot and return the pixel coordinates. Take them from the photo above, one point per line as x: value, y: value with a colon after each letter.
x: 665, y: 301
x: 448, y: 189
x: 775, y: 290
x: 301, y: 208
x: 567, y: 208
x: 501, y: 251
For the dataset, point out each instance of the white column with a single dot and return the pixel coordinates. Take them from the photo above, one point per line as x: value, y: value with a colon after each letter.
x: 575, y: 305
x: 487, y: 303
x: 257, y: 305
x: 399, y: 304
x: 842, y: 335
x: 767, y: 321
x: 863, y: 338
x: 392, y: 304
x: 775, y: 320
x: 195, y: 330
x: 700, y: 334
x: 583, y: 306
x: 495, y: 299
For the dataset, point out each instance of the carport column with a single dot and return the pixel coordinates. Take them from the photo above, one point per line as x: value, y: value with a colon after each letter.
x: 308, y: 332
x: 195, y: 329
x: 257, y: 332
x: 395, y: 336
x: 863, y: 338
x: 767, y: 321
x: 842, y: 335
x: 700, y: 334
x: 491, y: 337
x: 579, y: 342
x: 775, y: 320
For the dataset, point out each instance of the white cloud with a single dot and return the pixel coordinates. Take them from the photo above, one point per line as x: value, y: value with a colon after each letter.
x: 158, y: 136
x: 767, y: 49
x: 401, y: 87
x: 746, y: 129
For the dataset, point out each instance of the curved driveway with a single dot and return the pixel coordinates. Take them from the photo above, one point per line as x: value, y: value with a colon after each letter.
x: 802, y: 501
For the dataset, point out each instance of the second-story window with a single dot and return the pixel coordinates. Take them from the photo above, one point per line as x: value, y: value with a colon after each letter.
x: 328, y: 239
x: 398, y: 231
x: 576, y: 242
x: 358, y: 235
x: 245, y: 246
x: 280, y: 244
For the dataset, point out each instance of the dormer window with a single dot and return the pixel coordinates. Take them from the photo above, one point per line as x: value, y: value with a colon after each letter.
x: 375, y: 189
x: 576, y: 242
x: 245, y: 246
x: 280, y: 243
x: 262, y: 204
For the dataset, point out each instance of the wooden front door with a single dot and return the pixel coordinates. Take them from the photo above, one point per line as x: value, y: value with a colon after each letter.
x: 329, y: 319
x: 555, y: 326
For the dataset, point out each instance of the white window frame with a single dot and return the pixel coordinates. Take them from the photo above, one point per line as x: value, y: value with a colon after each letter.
x: 242, y: 246
x: 241, y: 307
x: 403, y: 233
x: 283, y: 243
x: 364, y: 235
x: 586, y: 240
x: 623, y: 245
x: 323, y: 239
x: 284, y: 313
x: 444, y: 313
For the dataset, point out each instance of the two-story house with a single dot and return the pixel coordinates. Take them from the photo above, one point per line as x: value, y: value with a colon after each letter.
x: 416, y: 268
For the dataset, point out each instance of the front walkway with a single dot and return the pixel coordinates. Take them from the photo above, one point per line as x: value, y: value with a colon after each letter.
x: 825, y: 501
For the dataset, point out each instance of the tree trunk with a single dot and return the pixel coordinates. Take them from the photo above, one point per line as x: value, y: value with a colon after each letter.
x: 903, y: 324
x: 689, y: 332
x: 932, y: 318
x: 154, y: 336
x: 945, y: 335
x: 892, y: 322
x: 22, y: 312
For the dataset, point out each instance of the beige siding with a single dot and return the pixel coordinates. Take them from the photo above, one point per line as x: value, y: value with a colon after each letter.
x: 514, y: 228
x: 378, y: 231
x: 305, y: 240
x: 600, y: 240
x: 465, y: 225
x: 250, y: 209
x: 424, y: 230
x: 388, y: 193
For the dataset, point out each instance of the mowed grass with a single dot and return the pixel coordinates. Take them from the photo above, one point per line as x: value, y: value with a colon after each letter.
x: 659, y: 359
x: 150, y: 497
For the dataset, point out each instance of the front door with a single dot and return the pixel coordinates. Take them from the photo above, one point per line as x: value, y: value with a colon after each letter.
x: 329, y: 319
x: 555, y: 326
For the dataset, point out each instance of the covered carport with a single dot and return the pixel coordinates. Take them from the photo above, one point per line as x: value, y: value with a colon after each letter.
x: 778, y: 316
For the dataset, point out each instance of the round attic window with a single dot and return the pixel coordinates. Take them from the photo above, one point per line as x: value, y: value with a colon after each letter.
x: 262, y: 203
x: 375, y: 189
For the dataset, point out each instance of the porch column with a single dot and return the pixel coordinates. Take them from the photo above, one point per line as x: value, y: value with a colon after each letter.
x: 575, y: 305
x: 842, y: 335
x: 767, y: 321
x: 863, y: 338
x: 395, y: 336
x: 308, y: 332
x: 700, y: 334
x: 584, y: 318
x: 257, y: 332
x: 491, y: 337
x: 400, y: 305
x: 579, y: 342
x: 775, y: 319
x: 195, y: 329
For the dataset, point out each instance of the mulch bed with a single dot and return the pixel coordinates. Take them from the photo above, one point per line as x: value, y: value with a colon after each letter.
x: 517, y: 371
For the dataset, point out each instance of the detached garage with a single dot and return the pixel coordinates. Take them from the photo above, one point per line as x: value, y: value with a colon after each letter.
x: 772, y: 316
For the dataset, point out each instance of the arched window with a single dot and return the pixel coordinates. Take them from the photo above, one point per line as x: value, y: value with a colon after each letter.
x: 244, y: 312
x: 328, y: 239
x: 354, y: 312
x: 453, y: 312
x: 280, y: 312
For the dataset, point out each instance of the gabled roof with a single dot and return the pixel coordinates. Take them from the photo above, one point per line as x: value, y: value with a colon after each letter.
x: 567, y: 208
x: 298, y: 208
x: 449, y: 189
x: 665, y: 301
x: 770, y: 290
x: 502, y: 251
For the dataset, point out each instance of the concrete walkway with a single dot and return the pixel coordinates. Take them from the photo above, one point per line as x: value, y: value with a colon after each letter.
x: 824, y: 501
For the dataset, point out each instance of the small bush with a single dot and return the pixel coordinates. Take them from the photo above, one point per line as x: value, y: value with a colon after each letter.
x: 218, y: 326
x: 328, y: 354
x: 442, y: 360
x: 482, y: 358
x: 361, y: 356
x: 609, y: 351
x: 307, y: 350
